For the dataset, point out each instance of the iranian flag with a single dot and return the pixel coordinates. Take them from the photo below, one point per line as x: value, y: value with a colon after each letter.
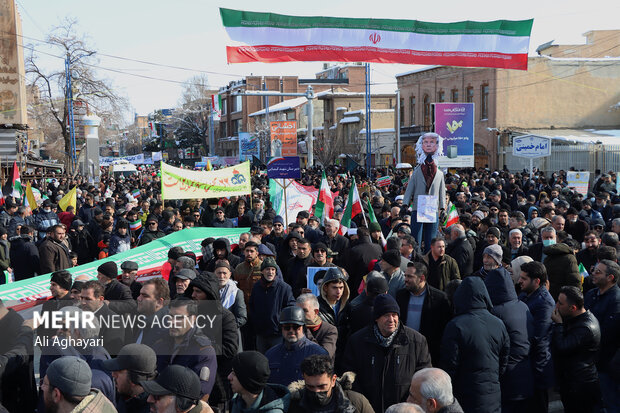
x: 351, y: 209
x: 325, y: 206
x: 216, y: 104
x: 453, y: 216
x: 272, y: 38
x: 17, y: 183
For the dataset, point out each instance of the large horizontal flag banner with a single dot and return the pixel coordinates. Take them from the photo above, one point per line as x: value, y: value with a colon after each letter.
x: 177, y: 183
x: 150, y: 257
x: 271, y: 38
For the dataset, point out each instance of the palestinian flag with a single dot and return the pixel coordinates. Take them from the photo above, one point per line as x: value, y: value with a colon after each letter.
x: 351, y: 209
x: 17, y: 183
x: 325, y: 205
x: 453, y: 216
x: 136, y: 225
x: 272, y: 38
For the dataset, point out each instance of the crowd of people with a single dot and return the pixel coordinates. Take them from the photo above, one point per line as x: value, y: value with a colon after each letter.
x: 514, y: 303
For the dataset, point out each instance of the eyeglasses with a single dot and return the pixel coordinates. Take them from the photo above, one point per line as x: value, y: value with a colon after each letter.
x: 152, y: 223
x: 290, y: 327
x: 321, y: 251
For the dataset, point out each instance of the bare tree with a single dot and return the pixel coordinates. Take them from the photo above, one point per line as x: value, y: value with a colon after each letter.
x: 86, y: 85
x: 190, y: 122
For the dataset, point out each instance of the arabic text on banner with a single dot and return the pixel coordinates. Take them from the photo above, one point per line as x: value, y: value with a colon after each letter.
x: 579, y: 181
x: 283, y: 138
x: 149, y: 257
x: 454, y: 122
x: 177, y: 183
x: 427, y: 208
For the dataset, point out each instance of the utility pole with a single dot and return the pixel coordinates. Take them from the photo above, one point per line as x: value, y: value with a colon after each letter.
x: 71, y: 125
x: 398, y: 121
x: 368, y: 131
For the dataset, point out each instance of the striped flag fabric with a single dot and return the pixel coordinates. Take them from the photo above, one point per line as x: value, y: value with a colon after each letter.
x: 453, y: 216
x: 325, y: 205
x: 373, y: 218
x: 136, y: 225
x: 17, y: 182
x: 351, y: 209
x: 135, y: 193
x: 272, y: 38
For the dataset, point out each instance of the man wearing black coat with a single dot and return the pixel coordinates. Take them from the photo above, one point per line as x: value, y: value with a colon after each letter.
x: 460, y: 249
x: 359, y: 257
x: 475, y: 349
x: 335, y: 241
x: 385, y: 355
x: 424, y: 308
x: 117, y: 295
x: 24, y: 255
x: 575, y: 342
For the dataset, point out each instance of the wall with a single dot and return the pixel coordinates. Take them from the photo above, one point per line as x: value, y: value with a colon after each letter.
x: 12, y: 73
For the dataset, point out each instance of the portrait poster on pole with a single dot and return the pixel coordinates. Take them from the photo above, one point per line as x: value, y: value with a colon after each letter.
x: 283, y: 138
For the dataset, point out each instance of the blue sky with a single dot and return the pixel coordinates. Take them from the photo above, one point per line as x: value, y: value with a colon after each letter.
x: 189, y: 34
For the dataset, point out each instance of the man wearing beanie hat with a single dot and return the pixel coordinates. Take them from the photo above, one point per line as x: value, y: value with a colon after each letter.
x: 116, y: 294
x: 60, y: 287
x: 384, y: 355
x: 66, y: 388
x: 269, y: 296
x: 390, y: 267
x: 248, y: 381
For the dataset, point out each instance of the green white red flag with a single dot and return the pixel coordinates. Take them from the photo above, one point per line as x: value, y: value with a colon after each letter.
x: 272, y: 38
x: 351, y: 209
x: 373, y: 218
x: 453, y: 216
x: 325, y: 205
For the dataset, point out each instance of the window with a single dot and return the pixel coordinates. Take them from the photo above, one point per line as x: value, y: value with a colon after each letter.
x: 237, y: 104
x: 402, y: 112
x: 470, y: 94
x: 427, y: 110
x: 224, y: 106
x: 236, y: 127
x: 223, y: 130
x: 455, y: 95
x: 484, y: 102
x: 441, y: 96
x: 290, y: 115
x: 328, y: 105
x: 412, y: 113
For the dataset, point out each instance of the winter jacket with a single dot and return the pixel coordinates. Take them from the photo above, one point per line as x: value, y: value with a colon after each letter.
x: 246, y: 275
x: 460, y: 249
x: 337, y: 244
x: 396, y: 281
x: 295, y: 275
x: 325, y: 335
x: 517, y: 382
x: 222, y: 243
x: 95, y: 402
x: 606, y: 309
x: 436, y: 312
x: 148, y: 236
x: 285, y: 360
x: 447, y: 270
x: 16, y: 221
x: 358, y: 259
x: 475, y: 348
x: 343, y: 400
x: 274, y: 398
x: 53, y: 256
x: 575, y: 344
x: 562, y: 268
x: 5, y: 259
x: 194, y: 352
x: 119, y: 295
x: 541, y: 306
x: 119, y: 243
x: 43, y: 220
x: 265, y: 304
x: 384, y: 374
x: 284, y: 252
x: 83, y: 244
x: 225, y: 223
x: 326, y: 311
x: 24, y: 258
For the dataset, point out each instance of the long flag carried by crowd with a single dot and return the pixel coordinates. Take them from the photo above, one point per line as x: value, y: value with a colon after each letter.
x: 271, y: 38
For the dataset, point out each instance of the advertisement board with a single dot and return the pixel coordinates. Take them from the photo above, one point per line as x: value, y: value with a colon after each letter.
x: 454, y: 122
x: 579, y: 181
x: 283, y: 138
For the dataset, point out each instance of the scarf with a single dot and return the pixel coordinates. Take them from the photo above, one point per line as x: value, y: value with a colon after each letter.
x: 315, y: 324
x: 384, y: 341
x: 429, y: 169
x: 228, y: 294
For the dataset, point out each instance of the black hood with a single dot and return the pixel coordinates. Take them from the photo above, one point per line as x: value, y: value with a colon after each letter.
x: 500, y: 286
x: 221, y: 243
x: 207, y: 283
x: 471, y: 295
